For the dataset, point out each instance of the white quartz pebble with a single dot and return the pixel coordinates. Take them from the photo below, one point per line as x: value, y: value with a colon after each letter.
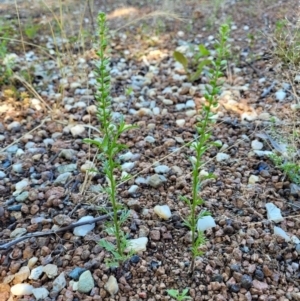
x: 21, y: 289
x: 163, y: 211
x: 206, y: 222
x: 273, y: 213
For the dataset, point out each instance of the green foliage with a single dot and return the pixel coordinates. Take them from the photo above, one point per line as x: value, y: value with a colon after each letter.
x: 289, y: 168
x: 7, y: 62
x: 109, y: 147
x: 200, y: 60
x: 31, y: 30
x: 287, y: 42
x: 179, y: 296
x: 203, y: 130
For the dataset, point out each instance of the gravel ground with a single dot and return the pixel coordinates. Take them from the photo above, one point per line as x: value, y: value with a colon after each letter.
x: 45, y: 184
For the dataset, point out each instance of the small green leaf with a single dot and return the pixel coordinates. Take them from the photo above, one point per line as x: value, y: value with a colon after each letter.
x: 180, y: 58
x: 203, y: 50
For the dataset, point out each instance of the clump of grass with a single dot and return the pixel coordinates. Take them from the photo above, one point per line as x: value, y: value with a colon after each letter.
x: 179, y: 296
x: 202, y: 143
x: 109, y: 147
x: 286, y: 42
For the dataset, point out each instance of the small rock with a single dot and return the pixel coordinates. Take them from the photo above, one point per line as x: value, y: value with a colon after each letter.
x: 163, y: 211
x: 280, y: 232
x: 206, y: 222
x: 259, y: 285
x: 134, y: 204
x: 77, y: 130
x: 273, y: 213
x: 253, y: 179
x: 40, y: 293
x: 18, y: 232
x: 137, y: 244
x: 162, y: 169
x: 22, y: 275
x: 133, y: 189
x: 89, y: 167
x: 295, y: 189
x: 51, y: 270
x: 21, y: 289
x: 126, y: 157
x: 20, y: 186
x: 22, y: 197
x: 36, y: 273
x: 135, y: 259
x: 149, y: 139
x: 18, y: 167
x: 190, y: 113
x: 84, y: 229
x: 259, y: 275
x: 66, y: 168
x: 15, y: 125
x: 246, y: 282
x: 155, y: 181
x: 155, y: 235
x: 75, y: 273
x: 257, y: 145
x: 280, y: 95
x: 86, y: 282
x: 67, y: 153
x: 128, y: 166
x: 180, y: 122
x: 59, y: 283
x: 112, y: 285
x: 222, y: 157
x: 32, y: 261
x: 190, y: 104
x: 62, y: 178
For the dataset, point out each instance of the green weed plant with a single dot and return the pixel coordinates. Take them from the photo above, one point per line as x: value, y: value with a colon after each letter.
x: 109, y: 148
x: 202, y: 141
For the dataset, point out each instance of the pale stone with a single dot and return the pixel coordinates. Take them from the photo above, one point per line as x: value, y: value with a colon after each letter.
x: 22, y: 275
x: 21, y: 289
x: 222, y: 157
x: 137, y: 244
x: 59, y: 283
x: 112, y: 285
x: 128, y: 166
x: 32, y: 261
x: 18, y: 232
x: 77, y: 130
x: 40, y: 293
x: 84, y: 229
x: 36, y: 273
x: 257, y: 145
x: 190, y: 113
x: 86, y: 282
x: 126, y: 157
x: 280, y: 232
x: 51, y: 270
x: 162, y: 169
x: 89, y: 167
x: 163, y: 211
x: 253, y: 179
x: 206, y: 222
x: 273, y: 213
x: 280, y: 95
x: 180, y: 122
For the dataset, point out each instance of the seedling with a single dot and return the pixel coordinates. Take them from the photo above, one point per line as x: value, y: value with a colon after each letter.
x: 202, y: 143
x: 179, y: 296
x: 200, y: 59
x: 109, y: 147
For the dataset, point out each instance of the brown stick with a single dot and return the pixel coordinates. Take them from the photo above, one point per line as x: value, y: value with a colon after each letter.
x: 37, y: 234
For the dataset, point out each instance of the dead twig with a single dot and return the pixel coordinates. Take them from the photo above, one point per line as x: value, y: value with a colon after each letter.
x: 8, y: 245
